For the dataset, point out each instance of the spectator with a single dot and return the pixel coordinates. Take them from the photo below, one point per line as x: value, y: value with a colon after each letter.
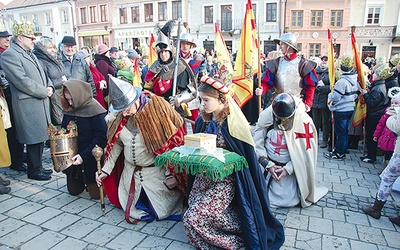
x: 342, y: 104
x: 287, y: 161
x: 114, y: 56
x: 30, y: 92
x: 16, y: 148
x: 76, y: 67
x: 104, y: 65
x: 377, y: 101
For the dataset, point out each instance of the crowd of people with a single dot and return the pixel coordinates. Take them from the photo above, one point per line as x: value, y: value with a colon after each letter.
x: 44, y: 83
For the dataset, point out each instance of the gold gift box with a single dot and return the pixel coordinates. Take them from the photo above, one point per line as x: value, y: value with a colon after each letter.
x: 202, y: 140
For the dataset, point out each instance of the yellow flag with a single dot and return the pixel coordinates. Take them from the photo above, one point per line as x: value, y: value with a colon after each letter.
x: 137, y: 80
x: 152, y: 52
x: 225, y: 69
x: 246, y: 64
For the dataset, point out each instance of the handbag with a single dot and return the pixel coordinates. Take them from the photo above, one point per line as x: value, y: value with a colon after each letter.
x: 5, y: 113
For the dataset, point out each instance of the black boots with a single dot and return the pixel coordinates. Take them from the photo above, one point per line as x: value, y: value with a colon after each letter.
x: 4, y: 182
x: 375, y: 210
x: 395, y: 220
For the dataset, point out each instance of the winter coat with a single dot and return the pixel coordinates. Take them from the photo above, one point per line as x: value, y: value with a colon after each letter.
x: 55, y: 70
x: 28, y: 85
x: 97, y: 77
x: 321, y: 92
x: 78, y: 69
x: 376, y: 99
x: 104, y: 66
x: 344, y: 94
x: 386, y: 138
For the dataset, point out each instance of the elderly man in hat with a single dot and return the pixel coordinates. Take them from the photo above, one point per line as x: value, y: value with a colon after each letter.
x: 76, y: 66
x: 290, y: 73
x: 144, y: 191
x: 16, y: 148
x: 30, y: 89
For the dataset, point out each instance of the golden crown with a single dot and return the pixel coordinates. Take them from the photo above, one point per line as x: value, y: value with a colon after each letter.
x: 395, y: 59
x: 347, y: 61
x: 62, y: 133
x: 23, y: 28
x: 383, y: 71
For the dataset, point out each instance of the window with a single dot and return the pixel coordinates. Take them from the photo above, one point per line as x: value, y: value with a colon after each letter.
x: 103, y: 13
x: 123, y: 16
x: 226, y: 17
x: 315, y: 49
x: 271, y: 12
x: 34, y: 19
x: 92, y: 10
x: 297, y: 18
x: 47, y: 19
x: 299, y: 46
x: 336, y: 18
x: 83, y: 16
x: 148, y: 12
x: 162, y: 11
x: 176, y: 10
x: 208, y: 14
x: 135, y: 14
x: 374, y: 14
x: 316, y: 18
x: 64, y: 14
x: 254, y: 7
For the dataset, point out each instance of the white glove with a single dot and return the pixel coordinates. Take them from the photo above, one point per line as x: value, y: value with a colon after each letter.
x: 77, y: 160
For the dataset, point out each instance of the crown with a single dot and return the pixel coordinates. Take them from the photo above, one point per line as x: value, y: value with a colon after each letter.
x: 347, y: 61
x: 383, y: 71
x: 23, y: 28
x: 59, y: 134
x: 394, y: 60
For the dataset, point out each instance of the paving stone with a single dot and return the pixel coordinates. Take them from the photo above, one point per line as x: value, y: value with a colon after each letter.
x: 312, y: 210
x: 341, y: 188
x: 11, y: 204
x: 177, y: 232
x: 60, y: 200
x: 61, y: 221
x: 392, y: 238
x: 113, y: 217
x: 371, y: 235
x: 21, y: 235
x: 102, y: 235
x: 334, y: 243
x: 382, y: 223
x: 345, y: 230
x: 43, y: 241
x: 180, y: 246
x: 70, y: 243
x: 94, y: 212
x: 81, y: 228
x: 153, y: 242
x: 331, y: 178
x: 126, y: 240
x: 360, y: 191
x: 355, y: 244
x: 42, y: 215
x: 24, y: 210
x: 296, y: 221
x: 28, y: 190
x: 312, y: 243
x: 320, y: 225
x: 78, y: 205
x: 349, y: 181
x: 9, y: 225
x: 158, y: 228
x: 44, y: 195
x: 333, y: 214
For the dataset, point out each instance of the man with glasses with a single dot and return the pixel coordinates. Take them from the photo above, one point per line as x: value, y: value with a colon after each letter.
x: 76, y: 66
x: 30, y: 90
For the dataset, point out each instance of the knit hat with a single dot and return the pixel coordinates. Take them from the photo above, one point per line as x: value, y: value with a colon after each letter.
x: 68, y: 40
x: 347, y: 63
x: 23, y: 28
x: 382, y: 70
x: 113, y: 49
x: 102, y: 49
x: 3, y: 30
x: 133, y: 55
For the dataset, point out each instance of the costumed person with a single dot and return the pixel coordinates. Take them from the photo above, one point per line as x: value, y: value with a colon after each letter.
x: 16, y: 148
x: 390, y: 174
x: 46, y: 51
x: 87, y: 113
x: 98, y: 78
x: 344, y: 93
x: 287, y: 148
x: 160, y: 76
x: 291, y: 73
x: 142, y: 126
x: 377, y: 101
x: 5, y: 157
x: 231, y: 213
x: 30, y: 93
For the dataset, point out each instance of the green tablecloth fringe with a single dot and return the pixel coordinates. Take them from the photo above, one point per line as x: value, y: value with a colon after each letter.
x: 207, y: 165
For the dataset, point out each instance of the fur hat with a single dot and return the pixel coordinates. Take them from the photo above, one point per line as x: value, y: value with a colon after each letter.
x: 382, y: 70
x: 102, y: 49
x: 23, y: 28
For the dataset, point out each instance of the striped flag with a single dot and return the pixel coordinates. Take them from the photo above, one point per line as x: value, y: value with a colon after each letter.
x: 246, y: 64
x: 361, y: 109
x: 137, y: 80
x: 331, y: 61
x: 152, y: 52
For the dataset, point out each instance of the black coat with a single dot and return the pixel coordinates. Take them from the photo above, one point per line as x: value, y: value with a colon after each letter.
x: 321, y: 92
x: 376, y: 100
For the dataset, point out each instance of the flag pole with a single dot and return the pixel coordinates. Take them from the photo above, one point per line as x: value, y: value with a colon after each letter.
x: 259, y: 66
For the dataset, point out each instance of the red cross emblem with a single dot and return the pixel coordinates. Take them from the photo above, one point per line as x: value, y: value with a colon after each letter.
x: 278, y: 144
x: 307, y: 135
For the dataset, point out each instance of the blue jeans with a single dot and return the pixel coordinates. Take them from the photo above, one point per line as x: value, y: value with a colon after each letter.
x: 341, y: 124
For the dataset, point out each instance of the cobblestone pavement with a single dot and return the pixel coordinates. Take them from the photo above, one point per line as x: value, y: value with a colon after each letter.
x: 41, y: 214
